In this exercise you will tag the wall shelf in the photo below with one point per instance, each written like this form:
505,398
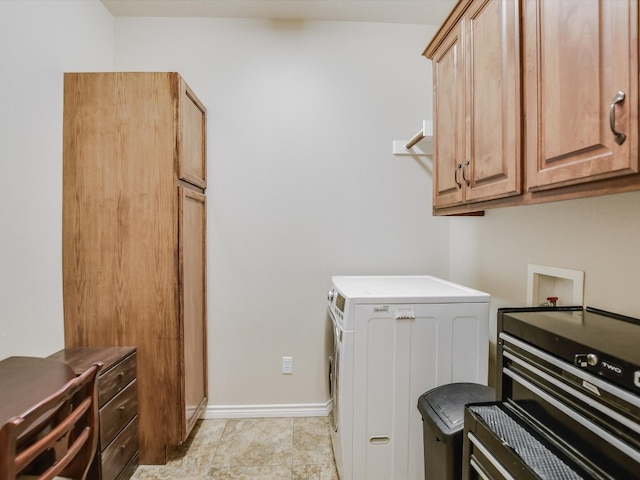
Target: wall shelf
420,144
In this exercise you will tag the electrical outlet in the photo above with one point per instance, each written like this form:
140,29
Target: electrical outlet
287,364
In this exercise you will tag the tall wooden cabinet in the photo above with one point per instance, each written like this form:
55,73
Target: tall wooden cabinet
134,264
476,97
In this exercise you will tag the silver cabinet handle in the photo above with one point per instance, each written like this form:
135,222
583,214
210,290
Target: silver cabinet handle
619,137
466,164
455,175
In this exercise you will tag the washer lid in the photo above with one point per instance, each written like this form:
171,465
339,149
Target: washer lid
406,289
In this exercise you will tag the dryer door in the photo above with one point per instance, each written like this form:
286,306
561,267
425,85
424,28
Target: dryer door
334,372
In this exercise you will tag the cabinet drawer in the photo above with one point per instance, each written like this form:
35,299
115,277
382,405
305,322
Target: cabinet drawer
117,413
117,455
130,469
117,378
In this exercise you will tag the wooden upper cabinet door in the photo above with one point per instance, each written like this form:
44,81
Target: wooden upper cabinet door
448,102
578,55
492,166
192,166
477,141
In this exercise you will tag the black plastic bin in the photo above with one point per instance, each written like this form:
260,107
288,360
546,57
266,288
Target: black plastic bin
442,410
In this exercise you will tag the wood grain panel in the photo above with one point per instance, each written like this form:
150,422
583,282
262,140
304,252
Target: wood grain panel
124,137
579,54
192,166
193,278
493,100
477,104
449,126
570,106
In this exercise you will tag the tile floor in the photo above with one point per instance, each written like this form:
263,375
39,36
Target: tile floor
250,449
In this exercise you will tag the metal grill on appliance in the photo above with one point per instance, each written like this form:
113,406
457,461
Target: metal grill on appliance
568,389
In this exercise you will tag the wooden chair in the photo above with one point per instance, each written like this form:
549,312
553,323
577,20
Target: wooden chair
57,436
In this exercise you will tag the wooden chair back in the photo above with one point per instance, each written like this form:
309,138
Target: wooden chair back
57,436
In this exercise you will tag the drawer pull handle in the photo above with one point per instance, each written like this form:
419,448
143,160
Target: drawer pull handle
464,176
619,137
123,446
455,175
121,375
122,407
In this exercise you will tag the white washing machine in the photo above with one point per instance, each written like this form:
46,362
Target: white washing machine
395,338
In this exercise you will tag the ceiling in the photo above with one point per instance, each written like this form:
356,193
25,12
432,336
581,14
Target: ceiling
429,12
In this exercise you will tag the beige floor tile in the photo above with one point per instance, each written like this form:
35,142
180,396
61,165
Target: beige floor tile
196,456
208,431
199,449
163,472
256,442
311,441
262,472
250,449
314,472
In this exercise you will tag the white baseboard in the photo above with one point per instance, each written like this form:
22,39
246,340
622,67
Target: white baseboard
261,411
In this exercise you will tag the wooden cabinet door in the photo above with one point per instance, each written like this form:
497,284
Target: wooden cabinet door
492,167
193,314
192,166
578,55
477,106
449,125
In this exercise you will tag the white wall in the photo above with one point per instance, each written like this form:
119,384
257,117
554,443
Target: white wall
39,40
600,236
302,183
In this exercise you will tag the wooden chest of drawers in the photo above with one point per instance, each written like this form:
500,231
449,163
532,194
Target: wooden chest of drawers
117,453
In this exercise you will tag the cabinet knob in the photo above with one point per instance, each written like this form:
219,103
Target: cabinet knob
619,137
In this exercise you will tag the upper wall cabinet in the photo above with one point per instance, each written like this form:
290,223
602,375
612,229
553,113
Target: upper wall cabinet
580,82
477,103
534,101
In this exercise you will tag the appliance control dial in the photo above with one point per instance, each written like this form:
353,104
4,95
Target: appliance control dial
332,293
592,359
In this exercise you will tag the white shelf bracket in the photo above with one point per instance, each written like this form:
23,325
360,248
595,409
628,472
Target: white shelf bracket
411,147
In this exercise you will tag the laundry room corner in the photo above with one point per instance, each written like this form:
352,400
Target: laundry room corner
303,183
